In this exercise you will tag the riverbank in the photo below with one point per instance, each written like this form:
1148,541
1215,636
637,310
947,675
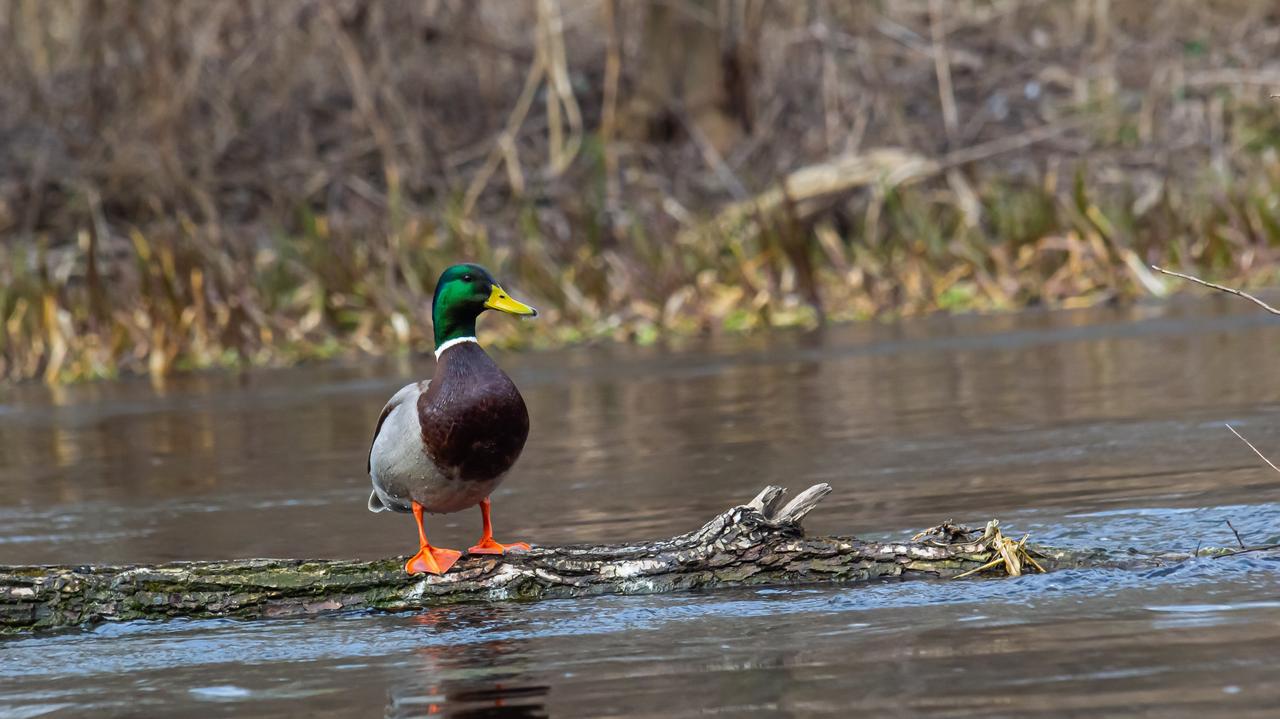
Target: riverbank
215,187
159,306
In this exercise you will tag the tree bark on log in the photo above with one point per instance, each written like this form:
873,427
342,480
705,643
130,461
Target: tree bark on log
759,543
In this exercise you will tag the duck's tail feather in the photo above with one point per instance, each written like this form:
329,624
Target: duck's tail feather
375,503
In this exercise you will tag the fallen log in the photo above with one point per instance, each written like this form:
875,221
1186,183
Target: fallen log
759,543
804,194
808,191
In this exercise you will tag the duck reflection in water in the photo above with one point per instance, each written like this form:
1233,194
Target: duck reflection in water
471,679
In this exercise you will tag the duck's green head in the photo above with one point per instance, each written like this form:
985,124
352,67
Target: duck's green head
462,293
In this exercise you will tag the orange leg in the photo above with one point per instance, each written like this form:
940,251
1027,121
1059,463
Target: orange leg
487,545
429,559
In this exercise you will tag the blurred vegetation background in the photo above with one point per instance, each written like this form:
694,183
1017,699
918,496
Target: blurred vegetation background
196,184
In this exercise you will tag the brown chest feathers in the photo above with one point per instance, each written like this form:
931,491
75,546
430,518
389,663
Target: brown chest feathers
474,421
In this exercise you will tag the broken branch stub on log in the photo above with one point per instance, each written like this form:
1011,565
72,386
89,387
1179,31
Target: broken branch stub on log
759,543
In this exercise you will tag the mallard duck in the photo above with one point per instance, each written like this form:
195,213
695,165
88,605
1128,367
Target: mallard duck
444,444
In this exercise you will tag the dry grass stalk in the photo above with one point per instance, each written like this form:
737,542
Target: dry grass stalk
942,69
1013,556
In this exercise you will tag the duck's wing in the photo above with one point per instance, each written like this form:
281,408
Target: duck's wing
410,390
396,400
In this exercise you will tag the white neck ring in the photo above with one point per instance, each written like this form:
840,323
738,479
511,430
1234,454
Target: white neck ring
455,341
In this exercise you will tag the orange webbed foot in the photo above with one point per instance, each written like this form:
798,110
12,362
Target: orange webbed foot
488,546
432,560
429,559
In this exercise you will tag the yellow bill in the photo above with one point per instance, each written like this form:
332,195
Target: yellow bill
499,300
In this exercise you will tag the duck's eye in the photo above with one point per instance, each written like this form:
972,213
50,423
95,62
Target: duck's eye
467,278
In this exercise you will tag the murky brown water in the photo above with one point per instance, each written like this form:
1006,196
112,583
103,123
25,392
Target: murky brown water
1086,428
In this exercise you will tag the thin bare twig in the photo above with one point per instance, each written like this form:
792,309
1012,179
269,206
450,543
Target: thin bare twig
1220,288
1233,531
1259,548
1255,449
1011,143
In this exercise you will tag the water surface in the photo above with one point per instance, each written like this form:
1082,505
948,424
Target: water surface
1087,428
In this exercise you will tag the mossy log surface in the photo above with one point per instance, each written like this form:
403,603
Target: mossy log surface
758,543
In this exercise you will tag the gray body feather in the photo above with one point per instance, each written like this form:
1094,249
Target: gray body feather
401,470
